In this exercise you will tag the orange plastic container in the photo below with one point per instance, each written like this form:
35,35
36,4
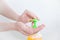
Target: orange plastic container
35,37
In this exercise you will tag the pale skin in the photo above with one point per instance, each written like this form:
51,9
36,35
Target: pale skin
19,25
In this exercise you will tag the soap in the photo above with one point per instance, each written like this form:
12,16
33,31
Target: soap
35,37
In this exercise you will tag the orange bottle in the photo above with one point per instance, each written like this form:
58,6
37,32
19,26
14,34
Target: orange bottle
35,37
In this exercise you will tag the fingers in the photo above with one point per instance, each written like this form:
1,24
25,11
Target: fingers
33,31
20,28
28,30
24,28
39,28
31,15
23,32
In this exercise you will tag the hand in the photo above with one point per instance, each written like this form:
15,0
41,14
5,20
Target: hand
26,30
27,16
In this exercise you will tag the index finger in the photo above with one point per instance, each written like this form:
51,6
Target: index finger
31,15
39,28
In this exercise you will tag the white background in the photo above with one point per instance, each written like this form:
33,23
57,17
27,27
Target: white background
47,10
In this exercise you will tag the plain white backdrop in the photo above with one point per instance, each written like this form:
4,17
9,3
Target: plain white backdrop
47,10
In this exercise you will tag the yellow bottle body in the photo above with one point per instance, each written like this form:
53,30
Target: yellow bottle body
35,37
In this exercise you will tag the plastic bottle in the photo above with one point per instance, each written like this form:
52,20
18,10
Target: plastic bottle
36,36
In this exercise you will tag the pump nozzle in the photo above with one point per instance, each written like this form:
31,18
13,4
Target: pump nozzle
34,23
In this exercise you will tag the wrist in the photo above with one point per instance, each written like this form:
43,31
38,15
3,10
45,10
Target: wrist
7,26
19,19
16,18
13,26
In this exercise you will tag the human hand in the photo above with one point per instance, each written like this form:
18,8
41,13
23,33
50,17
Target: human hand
26,30
27,16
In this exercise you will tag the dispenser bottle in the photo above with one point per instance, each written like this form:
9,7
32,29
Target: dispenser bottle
36,36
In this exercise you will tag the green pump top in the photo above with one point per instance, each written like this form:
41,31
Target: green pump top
34,23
